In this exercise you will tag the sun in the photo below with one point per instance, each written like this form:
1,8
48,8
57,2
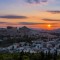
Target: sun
49,26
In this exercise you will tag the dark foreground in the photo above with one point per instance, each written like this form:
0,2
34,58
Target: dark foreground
29,56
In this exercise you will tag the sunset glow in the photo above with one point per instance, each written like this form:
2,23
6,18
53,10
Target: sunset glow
33,14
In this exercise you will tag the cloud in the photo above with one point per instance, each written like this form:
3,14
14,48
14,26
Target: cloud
54,12
8,23
45,19
3,22
36,1
28,23
13,17
31,23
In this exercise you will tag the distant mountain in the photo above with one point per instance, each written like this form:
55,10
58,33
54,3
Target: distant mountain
24,28
56,30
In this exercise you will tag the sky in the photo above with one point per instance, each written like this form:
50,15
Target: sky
37,14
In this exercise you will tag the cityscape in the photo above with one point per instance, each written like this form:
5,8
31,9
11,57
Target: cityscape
29,29
13,39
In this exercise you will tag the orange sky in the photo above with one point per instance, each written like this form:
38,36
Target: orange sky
37,14
40,19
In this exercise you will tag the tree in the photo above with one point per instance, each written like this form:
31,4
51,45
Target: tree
55,55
